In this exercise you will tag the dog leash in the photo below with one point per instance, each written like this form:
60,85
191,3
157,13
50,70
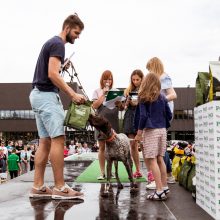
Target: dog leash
73,74
132,139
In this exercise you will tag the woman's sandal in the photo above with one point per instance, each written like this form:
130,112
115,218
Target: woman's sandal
166,191
157,197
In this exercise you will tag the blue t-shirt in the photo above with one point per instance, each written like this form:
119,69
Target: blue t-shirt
52,48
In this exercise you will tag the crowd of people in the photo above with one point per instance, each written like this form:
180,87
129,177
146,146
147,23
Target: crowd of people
16,158
76,148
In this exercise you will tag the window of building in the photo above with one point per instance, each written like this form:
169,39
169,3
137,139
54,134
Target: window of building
178,114
182,135
17,114
190,114
183,114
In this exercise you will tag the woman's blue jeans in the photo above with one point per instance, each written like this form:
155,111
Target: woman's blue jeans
167,162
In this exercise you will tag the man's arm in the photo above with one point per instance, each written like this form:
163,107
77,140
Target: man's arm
53,74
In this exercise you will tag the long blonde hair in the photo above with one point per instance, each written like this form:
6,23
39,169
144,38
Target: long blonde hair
131,86
150,88
155,65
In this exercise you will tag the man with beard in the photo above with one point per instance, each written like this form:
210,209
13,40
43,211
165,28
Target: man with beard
49,113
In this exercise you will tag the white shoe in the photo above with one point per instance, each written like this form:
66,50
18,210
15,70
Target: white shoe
113,176
171,179
151,185
101,177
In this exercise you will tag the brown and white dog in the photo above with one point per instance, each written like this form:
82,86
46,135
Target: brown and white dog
117,149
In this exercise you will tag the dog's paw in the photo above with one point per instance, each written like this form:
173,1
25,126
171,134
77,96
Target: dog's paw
134,186
134,190
120,186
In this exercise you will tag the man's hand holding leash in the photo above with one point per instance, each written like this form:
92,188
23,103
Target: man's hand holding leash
78,98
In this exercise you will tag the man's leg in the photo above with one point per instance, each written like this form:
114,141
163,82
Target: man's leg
11,174
61,190
41,158
16,173
57,160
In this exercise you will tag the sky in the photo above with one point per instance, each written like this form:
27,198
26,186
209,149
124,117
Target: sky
119,35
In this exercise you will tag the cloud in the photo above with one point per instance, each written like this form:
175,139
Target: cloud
119,35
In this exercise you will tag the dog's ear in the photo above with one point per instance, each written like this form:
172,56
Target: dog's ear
90,119
94,120
105,121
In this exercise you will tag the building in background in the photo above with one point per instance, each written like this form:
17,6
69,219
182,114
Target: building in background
17,120
182,126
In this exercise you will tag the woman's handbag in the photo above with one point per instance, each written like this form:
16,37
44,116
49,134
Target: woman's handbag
77,115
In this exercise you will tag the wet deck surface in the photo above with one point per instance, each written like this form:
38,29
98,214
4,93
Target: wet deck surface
15,204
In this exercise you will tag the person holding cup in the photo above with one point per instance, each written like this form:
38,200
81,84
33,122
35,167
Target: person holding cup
131,94
99,98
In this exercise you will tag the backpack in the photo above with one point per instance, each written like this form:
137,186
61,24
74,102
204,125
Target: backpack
192,173
214,71
184,173
202,88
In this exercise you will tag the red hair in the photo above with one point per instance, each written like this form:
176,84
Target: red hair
107,74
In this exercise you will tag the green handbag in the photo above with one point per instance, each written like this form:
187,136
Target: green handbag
77,115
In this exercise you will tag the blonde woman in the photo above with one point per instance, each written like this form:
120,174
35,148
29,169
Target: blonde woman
131,94
155,65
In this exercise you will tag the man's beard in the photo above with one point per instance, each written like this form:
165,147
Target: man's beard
69,39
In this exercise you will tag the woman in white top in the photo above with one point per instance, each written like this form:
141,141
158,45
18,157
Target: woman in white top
98,98
154,65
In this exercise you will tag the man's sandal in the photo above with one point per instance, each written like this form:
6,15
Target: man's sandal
157,197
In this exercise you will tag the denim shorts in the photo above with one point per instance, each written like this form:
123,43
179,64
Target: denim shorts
49,113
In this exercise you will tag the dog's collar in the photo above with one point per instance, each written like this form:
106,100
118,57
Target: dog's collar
111,138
